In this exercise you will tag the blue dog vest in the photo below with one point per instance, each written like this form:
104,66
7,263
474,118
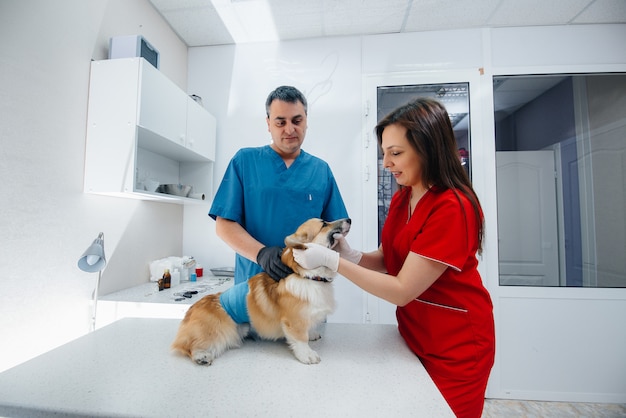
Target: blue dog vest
234,303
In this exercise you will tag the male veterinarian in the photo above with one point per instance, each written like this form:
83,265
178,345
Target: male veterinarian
268,191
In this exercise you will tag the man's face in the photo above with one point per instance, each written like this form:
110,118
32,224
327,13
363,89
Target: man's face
287,125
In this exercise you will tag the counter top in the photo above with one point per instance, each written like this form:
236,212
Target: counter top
146,301
126,369
149,292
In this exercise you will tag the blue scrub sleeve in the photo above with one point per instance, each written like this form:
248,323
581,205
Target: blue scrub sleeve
230,190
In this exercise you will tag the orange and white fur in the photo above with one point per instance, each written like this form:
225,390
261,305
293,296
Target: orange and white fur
290,308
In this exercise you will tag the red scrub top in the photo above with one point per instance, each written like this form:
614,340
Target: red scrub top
450,326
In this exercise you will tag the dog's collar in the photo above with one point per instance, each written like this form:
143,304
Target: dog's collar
320,279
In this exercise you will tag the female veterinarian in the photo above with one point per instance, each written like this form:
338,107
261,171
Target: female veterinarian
429,243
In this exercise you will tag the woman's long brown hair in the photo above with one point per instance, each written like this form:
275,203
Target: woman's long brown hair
430,133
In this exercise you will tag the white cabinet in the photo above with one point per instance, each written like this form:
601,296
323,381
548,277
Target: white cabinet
142,130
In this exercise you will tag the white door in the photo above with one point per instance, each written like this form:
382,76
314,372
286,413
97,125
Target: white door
527,219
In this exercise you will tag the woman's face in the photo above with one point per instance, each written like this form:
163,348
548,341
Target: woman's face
400,158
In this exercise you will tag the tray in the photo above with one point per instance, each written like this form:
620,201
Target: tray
223,271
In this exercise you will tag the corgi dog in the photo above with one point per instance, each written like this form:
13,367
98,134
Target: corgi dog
290,308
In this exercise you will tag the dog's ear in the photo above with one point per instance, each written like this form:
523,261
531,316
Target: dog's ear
305,233
293,241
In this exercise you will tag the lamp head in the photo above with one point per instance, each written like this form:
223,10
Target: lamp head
93,258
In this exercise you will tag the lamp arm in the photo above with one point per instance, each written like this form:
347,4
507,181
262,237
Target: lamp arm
95,302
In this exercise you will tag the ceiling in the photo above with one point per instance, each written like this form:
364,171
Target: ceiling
221,22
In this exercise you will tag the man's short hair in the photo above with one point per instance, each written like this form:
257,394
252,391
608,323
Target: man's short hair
287,94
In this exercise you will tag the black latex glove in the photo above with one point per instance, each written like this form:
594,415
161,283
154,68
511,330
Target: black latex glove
269,259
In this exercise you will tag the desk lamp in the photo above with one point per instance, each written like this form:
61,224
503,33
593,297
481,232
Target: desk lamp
93,260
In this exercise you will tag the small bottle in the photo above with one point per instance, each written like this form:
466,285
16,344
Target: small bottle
167,279
193,277
175,277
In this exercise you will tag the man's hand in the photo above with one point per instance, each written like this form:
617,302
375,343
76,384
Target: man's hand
315,256
269,259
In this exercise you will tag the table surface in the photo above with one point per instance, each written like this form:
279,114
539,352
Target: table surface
126,369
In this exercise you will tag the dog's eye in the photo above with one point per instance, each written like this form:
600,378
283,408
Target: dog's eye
324,224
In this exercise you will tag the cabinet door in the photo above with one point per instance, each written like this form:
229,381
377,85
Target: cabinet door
111,126
201,128
163,106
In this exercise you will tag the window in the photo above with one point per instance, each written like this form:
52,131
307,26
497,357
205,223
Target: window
561,170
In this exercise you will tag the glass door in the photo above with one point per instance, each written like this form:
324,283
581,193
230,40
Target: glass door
456,91
454,96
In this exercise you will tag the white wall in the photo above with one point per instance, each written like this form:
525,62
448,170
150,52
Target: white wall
46,221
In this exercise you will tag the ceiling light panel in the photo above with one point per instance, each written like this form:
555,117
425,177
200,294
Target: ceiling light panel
449,14
356,17
537,12
298,19
199,26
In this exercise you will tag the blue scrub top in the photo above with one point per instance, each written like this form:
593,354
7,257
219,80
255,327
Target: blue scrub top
271,201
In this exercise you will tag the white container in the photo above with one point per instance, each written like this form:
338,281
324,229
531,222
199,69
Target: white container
175,278
184,275
133,46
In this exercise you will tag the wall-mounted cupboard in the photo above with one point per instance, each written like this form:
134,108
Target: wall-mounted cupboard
144,131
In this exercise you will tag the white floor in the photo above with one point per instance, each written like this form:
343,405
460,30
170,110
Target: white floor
497,408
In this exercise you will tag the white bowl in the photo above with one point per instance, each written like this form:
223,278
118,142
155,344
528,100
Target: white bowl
175,189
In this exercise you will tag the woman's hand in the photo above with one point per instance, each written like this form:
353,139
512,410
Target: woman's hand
315,256
344,249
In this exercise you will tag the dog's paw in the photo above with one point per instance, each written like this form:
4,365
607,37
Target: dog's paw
306,355
203,358
314,336
244,331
